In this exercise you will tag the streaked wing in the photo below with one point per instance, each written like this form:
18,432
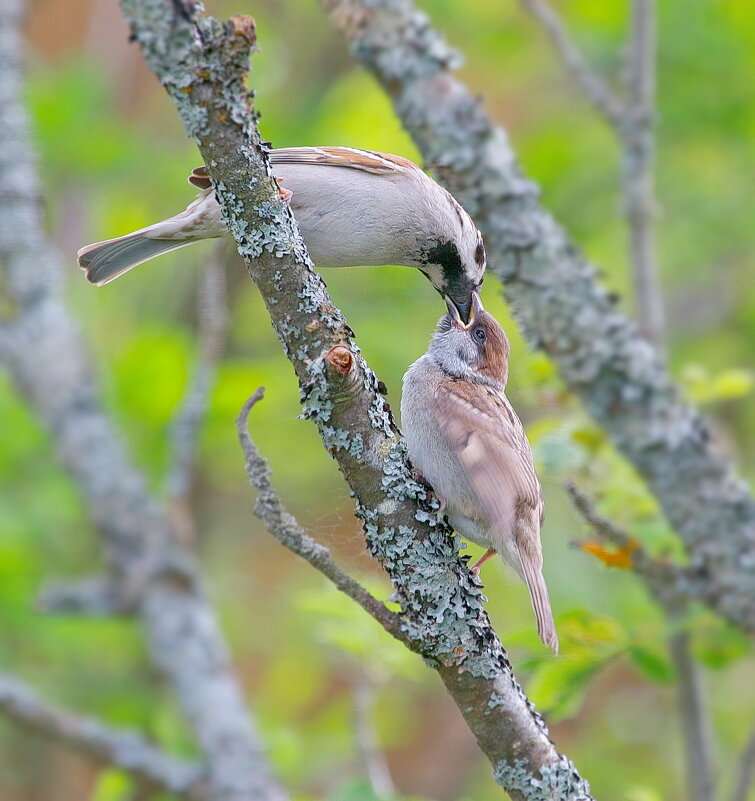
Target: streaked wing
365,160
353,158
489,440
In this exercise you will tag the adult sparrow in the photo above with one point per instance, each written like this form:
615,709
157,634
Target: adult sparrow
353,207
469,444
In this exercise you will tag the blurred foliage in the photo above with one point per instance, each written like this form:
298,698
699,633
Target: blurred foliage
113,158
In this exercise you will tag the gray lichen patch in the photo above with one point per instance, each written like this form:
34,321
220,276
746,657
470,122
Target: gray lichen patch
559,781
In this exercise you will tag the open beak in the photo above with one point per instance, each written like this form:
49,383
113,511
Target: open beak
461,313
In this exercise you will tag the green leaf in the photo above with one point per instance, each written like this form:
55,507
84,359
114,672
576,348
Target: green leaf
112,785
733,383
717,644
652,665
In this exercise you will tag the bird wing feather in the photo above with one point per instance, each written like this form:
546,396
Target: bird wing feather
489,440
370,161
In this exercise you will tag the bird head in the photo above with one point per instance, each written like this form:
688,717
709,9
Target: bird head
476,348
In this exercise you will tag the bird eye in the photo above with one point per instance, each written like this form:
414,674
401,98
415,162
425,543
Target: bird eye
480,335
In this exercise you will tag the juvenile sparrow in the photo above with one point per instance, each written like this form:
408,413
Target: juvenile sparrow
353,207
469,444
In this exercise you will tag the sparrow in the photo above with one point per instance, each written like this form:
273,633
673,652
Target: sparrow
353,207
468,443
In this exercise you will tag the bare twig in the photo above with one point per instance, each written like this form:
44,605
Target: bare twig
125,750
632,122
283,526
746,771
371,755
595,89
213,323
694,717
637,135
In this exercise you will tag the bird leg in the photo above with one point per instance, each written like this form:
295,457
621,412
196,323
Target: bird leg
286,194
484,558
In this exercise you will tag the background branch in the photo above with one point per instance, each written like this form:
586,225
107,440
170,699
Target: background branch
638,141
695,723
632,122
557,303
212,315
673,587
49,366
595,89
124,750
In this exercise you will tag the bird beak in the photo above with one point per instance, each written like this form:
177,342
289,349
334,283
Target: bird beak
477,306
461,313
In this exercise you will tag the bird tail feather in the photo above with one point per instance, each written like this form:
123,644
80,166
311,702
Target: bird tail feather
105,261
546,628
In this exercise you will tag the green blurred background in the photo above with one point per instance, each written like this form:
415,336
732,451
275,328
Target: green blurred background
114,158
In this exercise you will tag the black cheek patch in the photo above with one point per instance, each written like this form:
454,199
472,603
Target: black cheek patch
446,255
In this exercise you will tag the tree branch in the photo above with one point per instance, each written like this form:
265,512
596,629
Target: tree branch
595,89
202,63
558,304
671,585
372,758
632,122
124,750
49,366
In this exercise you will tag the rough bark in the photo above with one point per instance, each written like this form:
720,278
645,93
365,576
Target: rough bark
202,63
557,302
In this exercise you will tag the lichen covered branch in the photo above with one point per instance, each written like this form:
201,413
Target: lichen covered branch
125,750
202,63
558,303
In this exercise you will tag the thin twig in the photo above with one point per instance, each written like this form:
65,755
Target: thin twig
638,139
670,584
371,755
212,312
694,717
595,89
284,527
746,770
125,750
